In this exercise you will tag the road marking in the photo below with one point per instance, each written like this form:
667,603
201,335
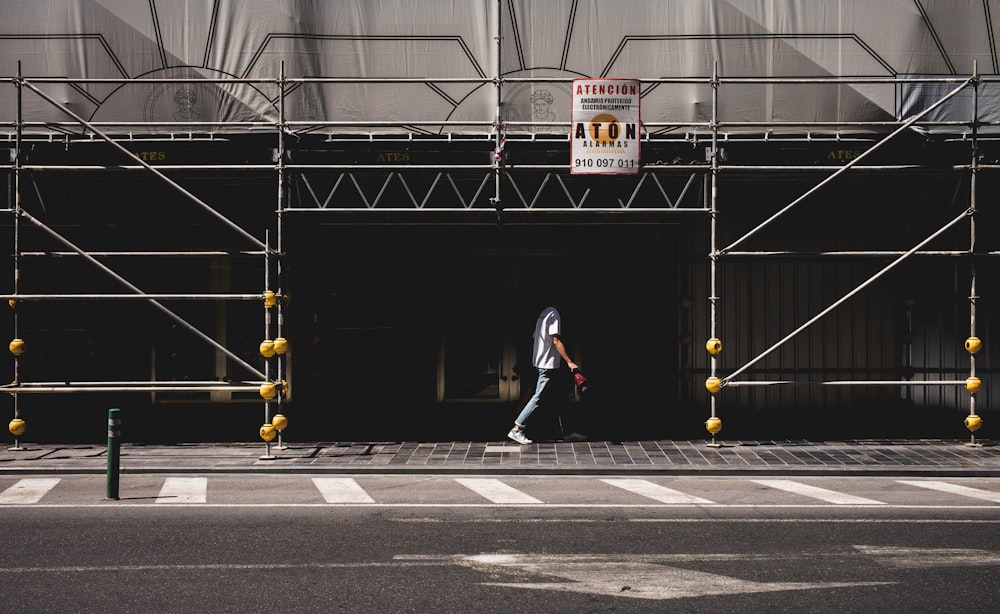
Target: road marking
346,491
28,490
566,506
496,491
342,490
656,492
635,577
955,489
713,520
926,558
215,567
830,496
183,490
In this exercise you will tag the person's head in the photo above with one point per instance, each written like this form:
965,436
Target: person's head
186,95
185,98
541,101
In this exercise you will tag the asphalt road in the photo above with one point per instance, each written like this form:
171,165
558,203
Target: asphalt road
438,544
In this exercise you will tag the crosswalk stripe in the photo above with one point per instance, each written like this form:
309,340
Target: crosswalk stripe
28,490
496,491
347,491
342,490
655,491
955,489
823,494
183,490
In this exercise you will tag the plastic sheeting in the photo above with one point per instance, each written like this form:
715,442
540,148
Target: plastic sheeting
449,49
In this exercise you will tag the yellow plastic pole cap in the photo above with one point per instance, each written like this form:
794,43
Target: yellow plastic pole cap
279,422
973,422
280,345
713,384
270,299
268,390
973,384
17,426
267,431
267,348
973,345
713,345
713,425
16,347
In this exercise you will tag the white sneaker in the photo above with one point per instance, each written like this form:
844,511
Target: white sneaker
518,436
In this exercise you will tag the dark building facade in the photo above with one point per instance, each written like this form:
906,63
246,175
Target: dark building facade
816,196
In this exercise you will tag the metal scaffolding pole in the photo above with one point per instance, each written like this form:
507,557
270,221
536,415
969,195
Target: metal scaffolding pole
972,383
18,85
280,254
274,261
498,127
714,424
267,432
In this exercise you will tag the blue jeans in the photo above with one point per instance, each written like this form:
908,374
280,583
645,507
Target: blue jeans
544,380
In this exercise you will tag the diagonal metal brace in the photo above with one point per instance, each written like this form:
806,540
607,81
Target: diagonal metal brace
846,297
173,316
906,125
146,165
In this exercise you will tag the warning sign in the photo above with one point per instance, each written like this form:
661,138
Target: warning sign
605,127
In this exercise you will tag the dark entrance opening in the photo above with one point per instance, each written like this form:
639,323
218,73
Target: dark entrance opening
423,332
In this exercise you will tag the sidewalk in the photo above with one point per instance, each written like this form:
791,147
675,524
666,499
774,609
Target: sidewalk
860,457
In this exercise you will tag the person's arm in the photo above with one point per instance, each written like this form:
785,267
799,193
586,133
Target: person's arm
557,342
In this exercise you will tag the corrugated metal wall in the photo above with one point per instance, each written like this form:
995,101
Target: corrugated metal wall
909,324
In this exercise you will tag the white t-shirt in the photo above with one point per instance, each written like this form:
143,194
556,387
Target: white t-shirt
545,355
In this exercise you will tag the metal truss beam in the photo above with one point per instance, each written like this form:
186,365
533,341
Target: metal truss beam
526,197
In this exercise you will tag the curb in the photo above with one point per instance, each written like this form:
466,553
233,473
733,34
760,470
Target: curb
891,458
520,470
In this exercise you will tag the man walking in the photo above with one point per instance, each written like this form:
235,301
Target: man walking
547,355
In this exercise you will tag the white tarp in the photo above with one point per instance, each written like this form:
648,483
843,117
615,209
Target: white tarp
449,48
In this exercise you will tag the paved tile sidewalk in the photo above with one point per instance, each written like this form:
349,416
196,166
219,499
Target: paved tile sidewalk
939,457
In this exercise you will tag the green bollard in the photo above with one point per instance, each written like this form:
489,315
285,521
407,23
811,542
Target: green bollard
114,449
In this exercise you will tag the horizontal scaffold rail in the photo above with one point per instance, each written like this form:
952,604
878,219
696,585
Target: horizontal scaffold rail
59,388
143,254
857,254
126,297
849,383
658,167
651,132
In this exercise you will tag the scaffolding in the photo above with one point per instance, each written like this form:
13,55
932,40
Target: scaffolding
501,193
